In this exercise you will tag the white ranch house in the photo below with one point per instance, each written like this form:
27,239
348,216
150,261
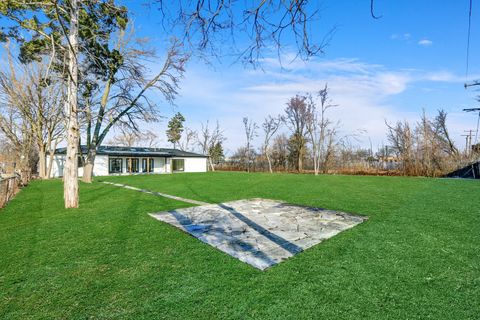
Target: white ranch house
112,160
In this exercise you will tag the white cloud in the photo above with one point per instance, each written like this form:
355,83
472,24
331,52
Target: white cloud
425,42
443,76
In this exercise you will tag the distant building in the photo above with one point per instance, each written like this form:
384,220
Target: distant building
389,162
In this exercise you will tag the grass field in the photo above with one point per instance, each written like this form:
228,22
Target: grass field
417,257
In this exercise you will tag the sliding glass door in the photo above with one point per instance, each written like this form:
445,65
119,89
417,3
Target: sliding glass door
147,165
132,165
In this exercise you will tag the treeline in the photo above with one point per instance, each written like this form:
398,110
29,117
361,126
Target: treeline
305,139
426,148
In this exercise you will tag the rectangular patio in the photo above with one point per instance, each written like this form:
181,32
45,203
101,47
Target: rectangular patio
260,232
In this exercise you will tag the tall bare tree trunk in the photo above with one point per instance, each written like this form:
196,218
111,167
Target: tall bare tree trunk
300,159
88,167
211,164
314,153
51,158
42,162
268,160
25,169
50,164
70,178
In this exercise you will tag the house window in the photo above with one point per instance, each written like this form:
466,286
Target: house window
132,165
115,165
178,164
150,163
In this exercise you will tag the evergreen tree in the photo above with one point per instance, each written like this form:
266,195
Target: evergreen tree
216,153
175,129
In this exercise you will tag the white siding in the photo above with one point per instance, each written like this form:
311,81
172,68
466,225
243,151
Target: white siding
168,165
100,167
195,164
57,165
159,165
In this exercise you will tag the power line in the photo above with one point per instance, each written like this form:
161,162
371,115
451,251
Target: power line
476,132
468,38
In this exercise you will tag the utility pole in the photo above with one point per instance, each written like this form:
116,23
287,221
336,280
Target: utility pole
475,110
468,141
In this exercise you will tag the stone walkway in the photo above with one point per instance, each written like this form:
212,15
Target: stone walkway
260,232
199,203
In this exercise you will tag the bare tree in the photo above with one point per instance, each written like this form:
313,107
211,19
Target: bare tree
37,102
270,127
251,128
124,139
321,136
132,138
149,139
298,114
441,132
189,137
427,149
208,139
331,144
20,140
401,138
209,26
280,152
436,152
124,94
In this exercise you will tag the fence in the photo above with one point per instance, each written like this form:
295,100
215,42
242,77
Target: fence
9,186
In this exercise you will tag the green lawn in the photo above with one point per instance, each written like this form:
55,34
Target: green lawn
418,255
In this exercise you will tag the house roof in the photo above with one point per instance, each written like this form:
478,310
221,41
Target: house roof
138,152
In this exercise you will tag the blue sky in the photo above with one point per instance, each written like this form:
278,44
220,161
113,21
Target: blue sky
414,57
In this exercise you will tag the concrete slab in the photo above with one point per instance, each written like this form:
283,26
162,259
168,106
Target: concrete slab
259,232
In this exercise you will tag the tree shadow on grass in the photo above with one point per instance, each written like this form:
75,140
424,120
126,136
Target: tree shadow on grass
285,244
